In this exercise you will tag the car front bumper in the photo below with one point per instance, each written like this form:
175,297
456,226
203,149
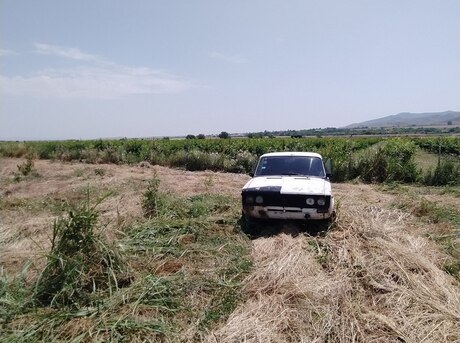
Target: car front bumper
289,213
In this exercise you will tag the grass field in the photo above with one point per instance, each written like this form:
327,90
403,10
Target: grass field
387,271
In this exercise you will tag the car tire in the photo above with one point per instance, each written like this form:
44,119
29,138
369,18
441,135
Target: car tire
248,225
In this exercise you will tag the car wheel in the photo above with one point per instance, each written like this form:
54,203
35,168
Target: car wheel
248,225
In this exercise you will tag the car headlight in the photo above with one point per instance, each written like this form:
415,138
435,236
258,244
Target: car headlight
321,201
310,201
249,200
259,199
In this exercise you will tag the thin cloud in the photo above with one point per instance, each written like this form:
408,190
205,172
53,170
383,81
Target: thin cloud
100,80
234,59
7,52
93,83
67,52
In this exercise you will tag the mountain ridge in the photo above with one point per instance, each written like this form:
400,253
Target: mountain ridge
407,119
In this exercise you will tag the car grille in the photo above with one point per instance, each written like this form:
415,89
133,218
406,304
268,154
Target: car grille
286,200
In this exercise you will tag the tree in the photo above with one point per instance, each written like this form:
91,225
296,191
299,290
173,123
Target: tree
190,137
201,136
224,135
255,135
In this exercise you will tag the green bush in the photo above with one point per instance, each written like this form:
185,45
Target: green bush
245,162
390,162
80,263
110,155
197,160
447,172
13,149
150,199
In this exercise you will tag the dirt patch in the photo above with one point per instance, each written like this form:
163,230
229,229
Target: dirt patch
169,267
58,178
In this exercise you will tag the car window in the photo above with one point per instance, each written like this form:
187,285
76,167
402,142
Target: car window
290,165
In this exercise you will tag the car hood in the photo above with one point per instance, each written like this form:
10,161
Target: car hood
289,185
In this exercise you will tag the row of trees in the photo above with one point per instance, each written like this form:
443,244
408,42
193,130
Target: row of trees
332,131
223,135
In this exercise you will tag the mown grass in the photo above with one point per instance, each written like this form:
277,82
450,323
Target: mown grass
54,204
450,240
432,212
372,278
172,278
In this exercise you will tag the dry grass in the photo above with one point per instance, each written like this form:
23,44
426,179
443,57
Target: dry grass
28,207
435,194
374,278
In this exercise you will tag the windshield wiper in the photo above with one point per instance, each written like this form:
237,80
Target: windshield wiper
293,174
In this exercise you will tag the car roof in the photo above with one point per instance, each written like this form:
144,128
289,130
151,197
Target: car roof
292,153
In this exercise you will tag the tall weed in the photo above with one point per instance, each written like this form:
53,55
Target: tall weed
447,172
390,162
151,198
80,263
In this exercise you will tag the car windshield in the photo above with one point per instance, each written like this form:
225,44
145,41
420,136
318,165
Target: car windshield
290,165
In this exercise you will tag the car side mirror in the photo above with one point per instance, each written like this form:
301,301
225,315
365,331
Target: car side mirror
251,174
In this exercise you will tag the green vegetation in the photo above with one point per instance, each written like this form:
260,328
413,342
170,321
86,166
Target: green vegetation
389,159
359,131
224,135
444,145
447,172
80,264
450,240
172,278
392,161
151,197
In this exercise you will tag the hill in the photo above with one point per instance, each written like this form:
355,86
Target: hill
406,119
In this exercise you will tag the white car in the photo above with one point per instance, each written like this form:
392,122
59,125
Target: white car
289,185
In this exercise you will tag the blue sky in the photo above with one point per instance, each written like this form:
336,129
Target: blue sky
89,69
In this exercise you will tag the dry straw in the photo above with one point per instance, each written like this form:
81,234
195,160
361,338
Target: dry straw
374,278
